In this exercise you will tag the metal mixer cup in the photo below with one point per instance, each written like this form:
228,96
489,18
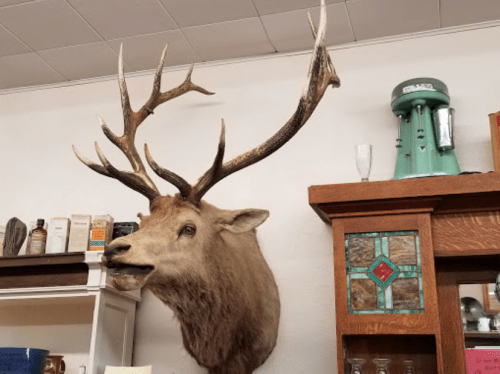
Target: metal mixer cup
425,133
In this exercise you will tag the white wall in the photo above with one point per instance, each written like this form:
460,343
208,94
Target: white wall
42,178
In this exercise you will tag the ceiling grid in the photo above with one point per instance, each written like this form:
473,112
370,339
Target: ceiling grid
53,41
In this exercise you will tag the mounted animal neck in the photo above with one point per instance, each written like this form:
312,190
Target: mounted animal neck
201,261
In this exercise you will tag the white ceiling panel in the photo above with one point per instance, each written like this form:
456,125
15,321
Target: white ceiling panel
290,31
114,19
83,61
143,52
10,44
11,2
81,38
27,69
462,12
374,18
276,6
47,24
229,39
187,13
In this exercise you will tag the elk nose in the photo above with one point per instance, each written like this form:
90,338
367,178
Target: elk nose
115,248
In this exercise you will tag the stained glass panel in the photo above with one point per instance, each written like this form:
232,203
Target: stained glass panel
384,273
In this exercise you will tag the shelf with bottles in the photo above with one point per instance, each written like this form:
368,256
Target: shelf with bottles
420,349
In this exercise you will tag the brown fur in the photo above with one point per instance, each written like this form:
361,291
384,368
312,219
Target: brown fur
217,282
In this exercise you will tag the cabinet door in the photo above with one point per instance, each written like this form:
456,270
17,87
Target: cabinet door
385,285
113,331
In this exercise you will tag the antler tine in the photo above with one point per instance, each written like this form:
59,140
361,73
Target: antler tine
179,182
321,75
213,175
138,180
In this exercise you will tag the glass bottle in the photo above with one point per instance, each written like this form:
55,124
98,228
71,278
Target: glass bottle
357,365
382,365
409,367
38,238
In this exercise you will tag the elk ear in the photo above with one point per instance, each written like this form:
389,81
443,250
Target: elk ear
239,221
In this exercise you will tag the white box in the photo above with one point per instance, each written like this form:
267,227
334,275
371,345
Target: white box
79,233
58,235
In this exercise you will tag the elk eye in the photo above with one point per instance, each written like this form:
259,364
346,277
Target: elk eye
188,230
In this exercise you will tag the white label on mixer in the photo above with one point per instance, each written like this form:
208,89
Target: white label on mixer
418,87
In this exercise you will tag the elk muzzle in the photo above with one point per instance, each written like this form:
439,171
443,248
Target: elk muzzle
125,276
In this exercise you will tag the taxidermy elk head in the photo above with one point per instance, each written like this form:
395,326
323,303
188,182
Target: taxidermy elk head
204,262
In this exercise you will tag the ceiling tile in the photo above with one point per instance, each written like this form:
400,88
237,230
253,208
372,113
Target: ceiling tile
375,18
462,12
10,44
27,69
47,24
229,39
143,52
290,31
187,13
114,19
12,2
277,6
83,61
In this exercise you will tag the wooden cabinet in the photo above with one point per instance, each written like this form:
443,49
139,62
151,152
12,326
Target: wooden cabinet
65,304
401,250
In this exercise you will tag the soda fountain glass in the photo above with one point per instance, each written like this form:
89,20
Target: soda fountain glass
409,367
357,365
364,160
382,365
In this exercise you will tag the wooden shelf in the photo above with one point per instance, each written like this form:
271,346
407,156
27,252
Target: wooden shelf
47,292
439,195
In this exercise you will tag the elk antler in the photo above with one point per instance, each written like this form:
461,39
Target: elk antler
321,75
138,180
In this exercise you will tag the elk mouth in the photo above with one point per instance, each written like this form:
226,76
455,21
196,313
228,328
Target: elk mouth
127,269
128,277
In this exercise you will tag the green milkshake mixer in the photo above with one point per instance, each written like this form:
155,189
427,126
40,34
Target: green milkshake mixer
425,133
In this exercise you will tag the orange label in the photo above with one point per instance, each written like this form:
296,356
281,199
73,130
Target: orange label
98,234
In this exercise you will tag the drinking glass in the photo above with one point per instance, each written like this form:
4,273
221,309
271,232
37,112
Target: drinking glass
382,365
357,365
409,367
364,160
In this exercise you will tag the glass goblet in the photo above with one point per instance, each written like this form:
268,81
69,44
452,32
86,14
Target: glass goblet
382,365
357,365
409,367
364,160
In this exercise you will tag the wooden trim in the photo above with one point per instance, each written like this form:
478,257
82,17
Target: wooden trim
491,304
46,259
52,270
465,234
406,188
440,195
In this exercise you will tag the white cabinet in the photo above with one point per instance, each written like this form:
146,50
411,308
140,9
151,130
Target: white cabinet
65,304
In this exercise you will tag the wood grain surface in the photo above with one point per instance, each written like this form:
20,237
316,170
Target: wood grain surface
466,233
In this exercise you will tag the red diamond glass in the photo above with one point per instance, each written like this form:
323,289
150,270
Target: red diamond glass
383,271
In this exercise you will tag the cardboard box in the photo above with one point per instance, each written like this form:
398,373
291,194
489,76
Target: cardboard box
102,232
79,233
58,235
495,139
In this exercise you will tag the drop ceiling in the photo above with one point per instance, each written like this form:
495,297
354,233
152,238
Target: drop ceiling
53,41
